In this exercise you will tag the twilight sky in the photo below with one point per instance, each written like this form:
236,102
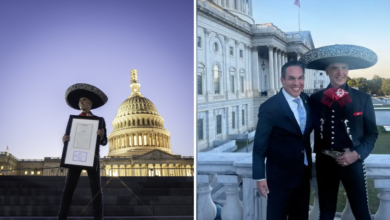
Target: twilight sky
361,22
46,46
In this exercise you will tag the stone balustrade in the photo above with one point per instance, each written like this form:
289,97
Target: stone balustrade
231,169
269,28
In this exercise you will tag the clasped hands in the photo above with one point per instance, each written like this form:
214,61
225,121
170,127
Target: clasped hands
99,132
349,157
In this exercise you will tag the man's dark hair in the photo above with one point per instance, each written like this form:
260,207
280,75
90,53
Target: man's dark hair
292,63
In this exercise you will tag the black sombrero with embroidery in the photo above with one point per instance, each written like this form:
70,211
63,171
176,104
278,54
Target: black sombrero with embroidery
355,56
76,91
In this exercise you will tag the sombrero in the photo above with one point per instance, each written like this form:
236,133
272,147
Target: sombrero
355,56
76,91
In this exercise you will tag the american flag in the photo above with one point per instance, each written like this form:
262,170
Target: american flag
297,3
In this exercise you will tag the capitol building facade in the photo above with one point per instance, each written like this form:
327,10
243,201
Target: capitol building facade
239,66
139,145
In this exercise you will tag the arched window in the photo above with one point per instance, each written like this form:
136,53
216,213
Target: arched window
216,79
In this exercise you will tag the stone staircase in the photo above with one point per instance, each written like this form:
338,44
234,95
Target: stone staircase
31,196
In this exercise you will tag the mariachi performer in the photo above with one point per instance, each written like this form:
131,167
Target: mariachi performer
344,128
84,97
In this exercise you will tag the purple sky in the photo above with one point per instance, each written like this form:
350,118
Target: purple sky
363,23
46,46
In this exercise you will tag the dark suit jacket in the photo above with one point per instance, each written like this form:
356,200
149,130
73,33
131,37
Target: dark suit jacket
279,139
362,126
103,141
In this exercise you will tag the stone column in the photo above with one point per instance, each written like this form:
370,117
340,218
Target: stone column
383,186
255,72
248,67
233,209
271,90
276,70
110,144
279,69
206,207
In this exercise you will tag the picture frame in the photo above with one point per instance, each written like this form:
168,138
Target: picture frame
82,149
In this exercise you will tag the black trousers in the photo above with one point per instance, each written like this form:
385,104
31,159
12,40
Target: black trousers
70,185
290,203
353,177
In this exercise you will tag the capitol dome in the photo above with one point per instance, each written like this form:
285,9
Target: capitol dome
137,105
138,128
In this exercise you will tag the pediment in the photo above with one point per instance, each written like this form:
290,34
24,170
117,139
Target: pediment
156,155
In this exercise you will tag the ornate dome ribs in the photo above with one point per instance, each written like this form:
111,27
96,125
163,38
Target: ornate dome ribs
137,105
140,121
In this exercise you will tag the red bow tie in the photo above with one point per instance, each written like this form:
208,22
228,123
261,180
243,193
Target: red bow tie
339,95
86,114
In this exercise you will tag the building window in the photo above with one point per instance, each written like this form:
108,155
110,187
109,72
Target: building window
233,120
321,86
320,73
199,42
199,83
39,173
232,83
2,167
241,54
200,129
231,51
219,124
216,47
242,83
235,4
216,79
243,117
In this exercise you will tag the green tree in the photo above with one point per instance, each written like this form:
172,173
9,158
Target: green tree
386,86
361,83
374,85
351,82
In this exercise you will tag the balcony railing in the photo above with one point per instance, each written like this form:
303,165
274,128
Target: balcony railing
231,169
269,28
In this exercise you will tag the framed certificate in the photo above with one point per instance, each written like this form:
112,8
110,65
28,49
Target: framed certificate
83,146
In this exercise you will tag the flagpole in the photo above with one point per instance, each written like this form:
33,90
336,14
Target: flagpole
299,18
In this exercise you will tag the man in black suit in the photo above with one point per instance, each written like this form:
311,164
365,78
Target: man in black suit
84,97
283,137
345,128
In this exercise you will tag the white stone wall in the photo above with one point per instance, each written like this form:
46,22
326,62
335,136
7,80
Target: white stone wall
210,104
320,78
